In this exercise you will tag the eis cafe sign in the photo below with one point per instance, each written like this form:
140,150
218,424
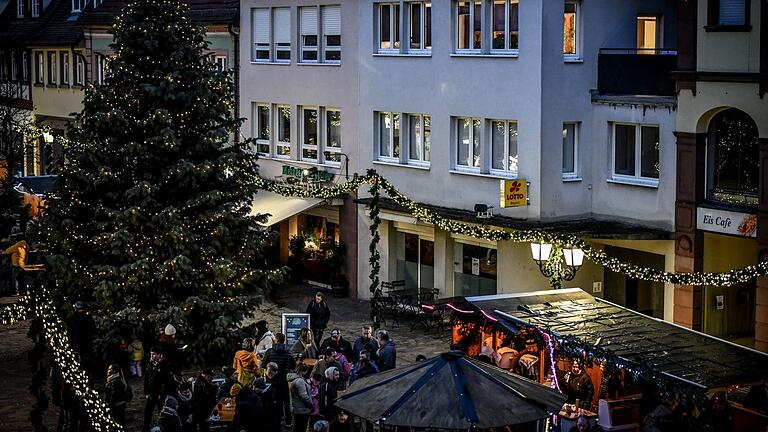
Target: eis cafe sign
726,222
514,193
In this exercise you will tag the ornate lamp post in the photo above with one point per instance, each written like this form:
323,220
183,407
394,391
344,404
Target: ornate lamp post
556,262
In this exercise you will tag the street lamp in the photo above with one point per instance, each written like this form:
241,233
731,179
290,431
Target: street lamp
554,265
328,154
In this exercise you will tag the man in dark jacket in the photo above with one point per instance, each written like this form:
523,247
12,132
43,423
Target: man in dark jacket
338,343
387,353
158,383
249,411
365,342
266,388
577,385
203,399
169,418
319,314
280,356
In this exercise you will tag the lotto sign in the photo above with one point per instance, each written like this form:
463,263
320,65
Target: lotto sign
514,193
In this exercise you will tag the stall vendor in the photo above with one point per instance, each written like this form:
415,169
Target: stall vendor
577,385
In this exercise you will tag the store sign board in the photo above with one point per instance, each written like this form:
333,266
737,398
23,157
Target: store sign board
726,222
514,193
291,171
292,325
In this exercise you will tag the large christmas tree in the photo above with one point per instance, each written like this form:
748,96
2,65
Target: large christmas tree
151,223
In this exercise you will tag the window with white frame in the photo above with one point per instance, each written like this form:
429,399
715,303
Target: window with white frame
25,66
64,55
505,32
221,62
20,8
52,67
78,5
310,42
332,151
261,128
389,27
101,68
39,67
570,149
309,126
331,33
419,138
636,152
79,69
14,67
283,144
468,135
35,8
261,34
571,29
503,146
420,26
282,35
389,136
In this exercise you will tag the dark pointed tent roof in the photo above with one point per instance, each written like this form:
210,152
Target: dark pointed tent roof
450,391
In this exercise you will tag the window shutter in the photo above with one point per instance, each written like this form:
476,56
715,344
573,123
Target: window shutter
261,26
283,25
332,20
309,20
732,12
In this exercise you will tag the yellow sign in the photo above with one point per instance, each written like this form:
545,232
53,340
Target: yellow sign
514,193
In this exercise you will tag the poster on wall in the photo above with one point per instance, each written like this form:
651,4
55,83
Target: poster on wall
726,222
292,325
476,266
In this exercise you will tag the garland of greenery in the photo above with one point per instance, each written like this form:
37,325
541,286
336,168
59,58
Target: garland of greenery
375,256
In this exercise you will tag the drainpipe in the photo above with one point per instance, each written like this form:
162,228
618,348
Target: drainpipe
236,75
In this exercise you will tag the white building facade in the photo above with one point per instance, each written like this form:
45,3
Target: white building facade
446,98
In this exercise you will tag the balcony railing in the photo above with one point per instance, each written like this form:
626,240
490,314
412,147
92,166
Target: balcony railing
636,71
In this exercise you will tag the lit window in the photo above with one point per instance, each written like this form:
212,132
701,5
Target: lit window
505,27
504,146
570,149
647,34
261,128
283,148
309,144
571,30
389,27
468,142
419,137
636,151
389,136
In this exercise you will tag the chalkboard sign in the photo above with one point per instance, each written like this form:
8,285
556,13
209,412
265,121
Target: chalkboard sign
292,325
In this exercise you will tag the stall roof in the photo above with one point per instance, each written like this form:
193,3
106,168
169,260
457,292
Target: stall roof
39,185
682,354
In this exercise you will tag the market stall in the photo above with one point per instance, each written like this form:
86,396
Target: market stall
633,363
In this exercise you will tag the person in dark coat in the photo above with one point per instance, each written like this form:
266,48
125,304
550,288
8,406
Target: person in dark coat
338,343
83,328
118,393
364,367
249,411
169,418
158,383
387,353
578,385
173,354
272,407
184,408
203,399
364,342
285,362
328,394
319,315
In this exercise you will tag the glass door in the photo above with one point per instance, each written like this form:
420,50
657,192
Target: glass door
415,261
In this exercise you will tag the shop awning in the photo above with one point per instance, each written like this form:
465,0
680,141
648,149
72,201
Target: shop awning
280,207
679,353
39,185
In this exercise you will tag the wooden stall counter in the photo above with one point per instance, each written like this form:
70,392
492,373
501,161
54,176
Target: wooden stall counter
568,416
222,414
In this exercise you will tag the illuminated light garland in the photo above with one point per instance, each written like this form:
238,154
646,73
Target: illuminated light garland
19,311
450,306
552,364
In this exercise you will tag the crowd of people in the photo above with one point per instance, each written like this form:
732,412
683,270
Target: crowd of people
271,385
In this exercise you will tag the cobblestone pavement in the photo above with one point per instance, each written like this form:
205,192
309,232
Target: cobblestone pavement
346,314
